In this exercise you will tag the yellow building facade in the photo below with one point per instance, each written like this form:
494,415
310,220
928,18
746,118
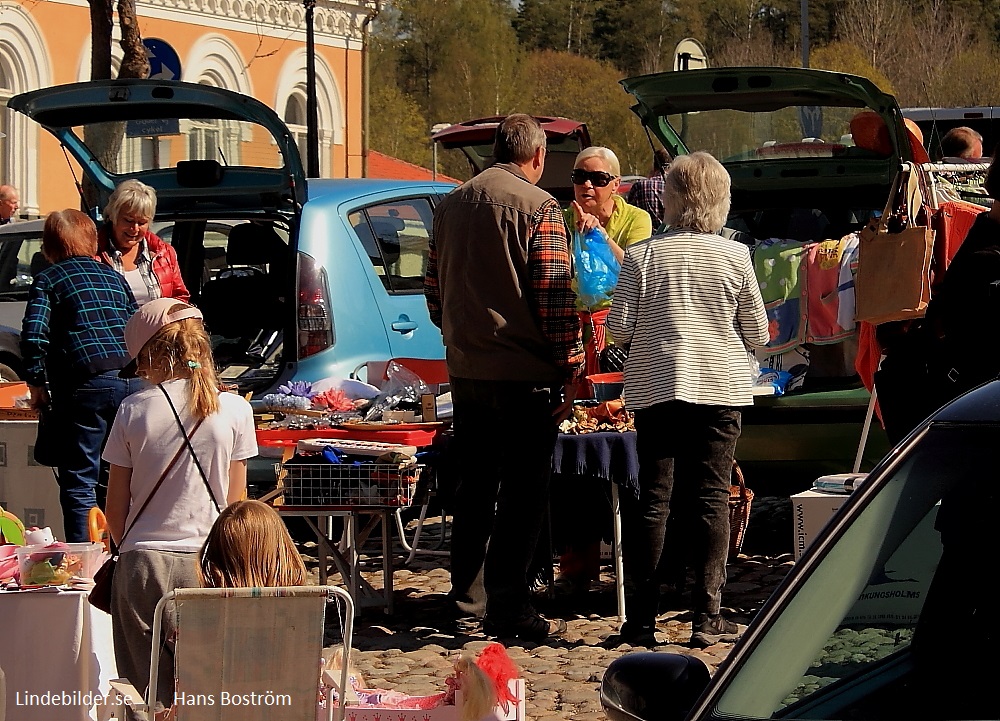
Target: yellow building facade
255,47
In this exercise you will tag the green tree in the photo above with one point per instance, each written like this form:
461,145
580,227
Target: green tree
587,90
427,30
482,75
970,78
847,58
556,25
407,135
637,36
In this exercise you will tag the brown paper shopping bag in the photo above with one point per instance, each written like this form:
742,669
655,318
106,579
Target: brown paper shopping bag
893,278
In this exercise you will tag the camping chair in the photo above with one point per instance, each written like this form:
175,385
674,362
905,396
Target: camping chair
236,642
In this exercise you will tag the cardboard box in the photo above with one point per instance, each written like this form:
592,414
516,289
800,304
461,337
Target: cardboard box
810,512
11,391
515,712
27,489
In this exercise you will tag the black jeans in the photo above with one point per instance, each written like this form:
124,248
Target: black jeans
504,437
685,466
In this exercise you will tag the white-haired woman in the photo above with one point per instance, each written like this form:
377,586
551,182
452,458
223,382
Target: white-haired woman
597,204
688,303
126,244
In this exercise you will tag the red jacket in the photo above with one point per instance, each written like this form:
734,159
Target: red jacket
165,266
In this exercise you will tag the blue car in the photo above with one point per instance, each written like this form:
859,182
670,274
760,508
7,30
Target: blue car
298,280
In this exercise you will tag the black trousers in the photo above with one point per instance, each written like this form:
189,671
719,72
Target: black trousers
504,437
685,466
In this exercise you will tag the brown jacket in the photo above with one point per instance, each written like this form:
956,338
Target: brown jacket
480,267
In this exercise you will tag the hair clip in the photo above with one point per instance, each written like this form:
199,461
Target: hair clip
194,364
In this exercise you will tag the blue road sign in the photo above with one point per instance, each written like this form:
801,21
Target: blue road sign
164,64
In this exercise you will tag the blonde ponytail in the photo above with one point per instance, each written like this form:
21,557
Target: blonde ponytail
183,350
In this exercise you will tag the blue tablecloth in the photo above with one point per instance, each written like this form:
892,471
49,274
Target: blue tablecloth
610,456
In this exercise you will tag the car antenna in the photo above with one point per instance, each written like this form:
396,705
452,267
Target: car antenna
94,213
223,156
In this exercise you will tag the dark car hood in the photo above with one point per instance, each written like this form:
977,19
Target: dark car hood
566,138
266,176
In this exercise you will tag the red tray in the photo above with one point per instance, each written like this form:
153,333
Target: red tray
281,438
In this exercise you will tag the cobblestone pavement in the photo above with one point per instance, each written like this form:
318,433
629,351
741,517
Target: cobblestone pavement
413,649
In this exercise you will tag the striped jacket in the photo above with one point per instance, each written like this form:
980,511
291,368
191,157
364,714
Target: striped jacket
689,305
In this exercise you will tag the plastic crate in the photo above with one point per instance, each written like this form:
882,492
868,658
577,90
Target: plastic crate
350,484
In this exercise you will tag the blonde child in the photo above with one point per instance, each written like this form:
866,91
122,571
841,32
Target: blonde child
178,450
249,547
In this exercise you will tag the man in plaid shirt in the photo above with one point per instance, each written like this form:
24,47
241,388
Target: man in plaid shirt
498,286
648,192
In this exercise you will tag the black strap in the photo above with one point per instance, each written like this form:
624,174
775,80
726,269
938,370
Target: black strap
208,486
163,477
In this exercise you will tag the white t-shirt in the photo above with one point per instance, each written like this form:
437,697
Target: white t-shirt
145,437
138,286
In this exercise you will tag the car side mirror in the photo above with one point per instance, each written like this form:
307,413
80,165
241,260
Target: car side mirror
652,686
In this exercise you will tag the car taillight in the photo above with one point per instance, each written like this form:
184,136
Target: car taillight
315,317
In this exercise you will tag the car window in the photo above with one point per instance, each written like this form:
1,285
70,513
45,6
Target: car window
861,623
20,260
396,237
789,132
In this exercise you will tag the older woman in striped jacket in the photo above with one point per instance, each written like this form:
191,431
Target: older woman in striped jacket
688,304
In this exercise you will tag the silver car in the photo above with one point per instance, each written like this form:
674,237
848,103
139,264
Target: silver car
20,258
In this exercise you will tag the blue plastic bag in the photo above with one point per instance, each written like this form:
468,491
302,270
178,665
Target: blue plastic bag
596,267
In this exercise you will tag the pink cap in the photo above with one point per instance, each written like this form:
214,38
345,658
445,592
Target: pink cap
148,320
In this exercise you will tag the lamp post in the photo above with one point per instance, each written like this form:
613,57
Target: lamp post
434,148
312,107
365,83
804,11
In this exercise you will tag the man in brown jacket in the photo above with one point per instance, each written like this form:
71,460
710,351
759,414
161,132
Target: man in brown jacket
498,286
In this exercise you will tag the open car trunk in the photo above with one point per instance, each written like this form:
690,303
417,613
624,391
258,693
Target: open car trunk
785,136
812,155
565,139
230,188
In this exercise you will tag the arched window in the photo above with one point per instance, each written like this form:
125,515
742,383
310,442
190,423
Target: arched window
24,65
295,119
219,140
291,99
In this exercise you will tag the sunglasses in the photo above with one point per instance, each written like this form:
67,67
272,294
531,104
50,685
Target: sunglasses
597,178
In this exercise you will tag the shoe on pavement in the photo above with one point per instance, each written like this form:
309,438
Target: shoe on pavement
530,628
709,630
636,634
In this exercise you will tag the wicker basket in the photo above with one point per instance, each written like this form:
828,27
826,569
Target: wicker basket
740,498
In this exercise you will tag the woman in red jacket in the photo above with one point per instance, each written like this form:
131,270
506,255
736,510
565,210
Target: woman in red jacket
126,244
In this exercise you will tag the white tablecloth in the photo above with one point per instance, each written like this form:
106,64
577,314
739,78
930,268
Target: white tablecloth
56,651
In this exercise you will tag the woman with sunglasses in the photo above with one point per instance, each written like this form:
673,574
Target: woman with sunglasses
596,177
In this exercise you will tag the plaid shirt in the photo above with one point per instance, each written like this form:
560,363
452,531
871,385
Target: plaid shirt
647,194
143,263
553,300
552,295
74,325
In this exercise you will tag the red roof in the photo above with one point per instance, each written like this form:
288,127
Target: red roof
385,166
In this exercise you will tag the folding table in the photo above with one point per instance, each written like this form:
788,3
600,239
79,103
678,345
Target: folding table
361,521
